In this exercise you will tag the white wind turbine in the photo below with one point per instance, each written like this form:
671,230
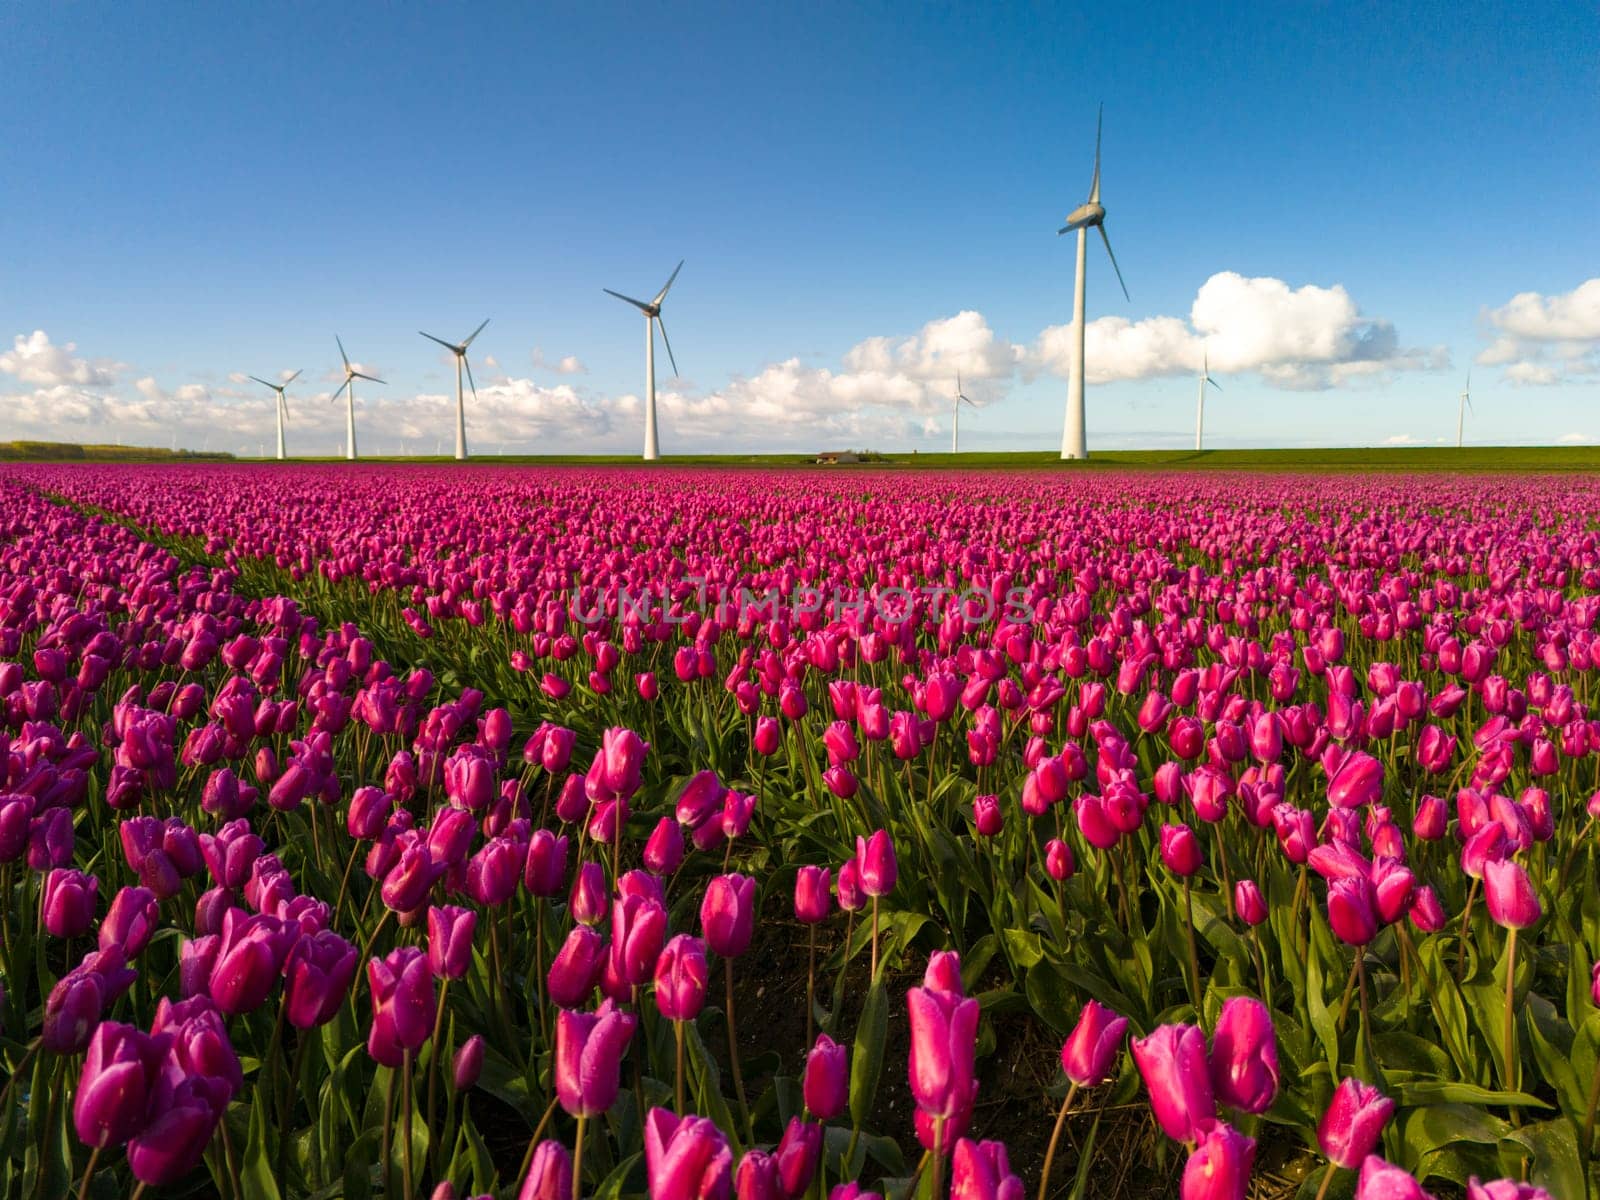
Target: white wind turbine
348,387
1200,412
955,419
460,351
1461,409
652,317
1091,212
283,406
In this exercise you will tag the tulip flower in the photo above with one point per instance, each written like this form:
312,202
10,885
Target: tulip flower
944,1032
545,868
576,967
185,1112
982,1171
826,1085
450,931
468,1064
1219,1167
797,1156
114,1088
69,902
757,1177
681,976
1513,906
403,1005
638,931
1380,1180
1087,1058
316,978
1505,1189
249,961
1353,1122
549,1174
1244,1056
686,1158
1173,1062
588,1057
587,900
663,852
727,914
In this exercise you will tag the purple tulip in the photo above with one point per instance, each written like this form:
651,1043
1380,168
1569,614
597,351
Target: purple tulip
549,1174
468,1063
875,863
686,1158
1219,1168
576,967
1244,1056
403,1005
826,1086
114,1087
1512,902
982,1171
1354,1120
681,976
1090,1051
1173,1062
588,1058
727,914
316,978
69,902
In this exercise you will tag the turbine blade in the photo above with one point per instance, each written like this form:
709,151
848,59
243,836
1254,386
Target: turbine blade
1064,229
639,304
264,383
450,346
1213,383
1094,187
334,398
292,378
373,378
342,354
1106,238
668,342
667,287
470,379
475,333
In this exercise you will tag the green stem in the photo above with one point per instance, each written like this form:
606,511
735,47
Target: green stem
733,1050
1194,957
1055,1137
577,1162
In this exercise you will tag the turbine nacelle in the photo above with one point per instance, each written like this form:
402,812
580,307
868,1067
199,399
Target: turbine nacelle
1085,215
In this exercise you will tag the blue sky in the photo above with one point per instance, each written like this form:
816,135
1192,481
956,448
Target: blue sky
866,197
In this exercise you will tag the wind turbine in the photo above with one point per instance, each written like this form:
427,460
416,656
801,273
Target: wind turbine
283,405
955,421
1461,409
348,387
461,361
1200,414
652,316
1090,213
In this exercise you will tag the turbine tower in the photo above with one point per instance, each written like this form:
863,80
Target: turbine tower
955,421
283,406
1200,414
348,387
652,317
1091,212
460,351
1461,409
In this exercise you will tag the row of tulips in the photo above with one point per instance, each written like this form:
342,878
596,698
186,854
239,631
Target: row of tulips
1308,723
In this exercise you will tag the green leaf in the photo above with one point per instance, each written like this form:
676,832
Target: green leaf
614,1185
255,1172
1435,1092
866,1058
358,1163
1556,1165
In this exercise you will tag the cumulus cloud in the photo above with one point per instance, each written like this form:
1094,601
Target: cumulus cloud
1309,337
1542,340
33,359
569,364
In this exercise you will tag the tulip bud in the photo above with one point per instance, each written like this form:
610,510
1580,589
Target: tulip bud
1380,1180
847,886
1248,903
827,1079
663,853
944,1033
68,902
1058,860
576,967
468,1063
1180,851
588,898
757,1177
450,931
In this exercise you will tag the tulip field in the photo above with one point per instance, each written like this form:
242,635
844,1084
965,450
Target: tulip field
562,832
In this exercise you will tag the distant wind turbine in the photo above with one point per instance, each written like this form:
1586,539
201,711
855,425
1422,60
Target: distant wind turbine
348,387
283,405
652,316
955,420
460,351
1090,213
1200,413
1461,409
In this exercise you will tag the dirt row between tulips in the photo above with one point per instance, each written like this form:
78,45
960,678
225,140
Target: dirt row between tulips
1131,1158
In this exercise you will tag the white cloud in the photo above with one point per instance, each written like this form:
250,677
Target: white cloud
1543,340
34,360
1304,338
1401,439
570,364
1573,439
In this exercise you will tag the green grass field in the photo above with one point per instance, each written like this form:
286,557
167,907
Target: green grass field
1342,458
